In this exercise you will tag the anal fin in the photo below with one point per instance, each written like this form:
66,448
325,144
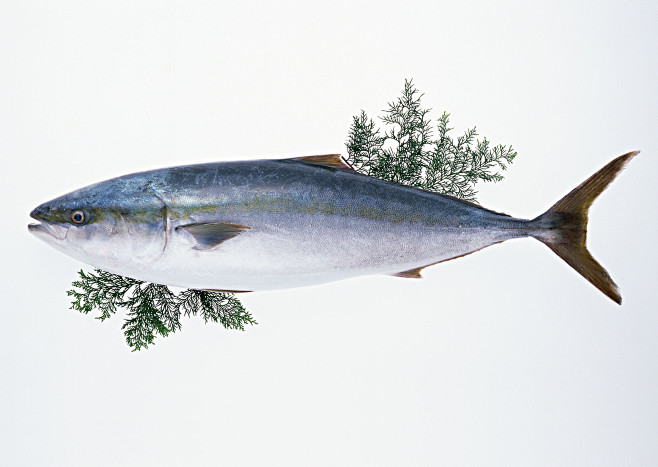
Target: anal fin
411,273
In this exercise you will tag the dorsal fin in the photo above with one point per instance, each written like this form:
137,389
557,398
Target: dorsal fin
333,161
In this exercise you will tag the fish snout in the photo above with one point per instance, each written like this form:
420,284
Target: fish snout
45,227
38,213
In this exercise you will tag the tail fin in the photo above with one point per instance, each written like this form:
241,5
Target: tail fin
563,228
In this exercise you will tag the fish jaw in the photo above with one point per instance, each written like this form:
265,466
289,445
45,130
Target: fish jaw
45,229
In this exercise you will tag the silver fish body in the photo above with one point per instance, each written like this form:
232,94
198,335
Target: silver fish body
273,224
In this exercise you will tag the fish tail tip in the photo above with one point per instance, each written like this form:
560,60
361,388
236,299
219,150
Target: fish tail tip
629,155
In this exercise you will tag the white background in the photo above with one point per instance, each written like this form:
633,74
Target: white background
504,357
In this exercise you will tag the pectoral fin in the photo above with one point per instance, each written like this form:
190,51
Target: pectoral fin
209,235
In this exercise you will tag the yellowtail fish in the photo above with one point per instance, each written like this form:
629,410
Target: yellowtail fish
275,224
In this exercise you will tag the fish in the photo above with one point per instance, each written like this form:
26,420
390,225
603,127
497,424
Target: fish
282,223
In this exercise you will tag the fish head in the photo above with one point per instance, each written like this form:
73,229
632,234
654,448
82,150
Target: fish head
118,225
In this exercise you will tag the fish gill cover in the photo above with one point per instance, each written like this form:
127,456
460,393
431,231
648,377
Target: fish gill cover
407,152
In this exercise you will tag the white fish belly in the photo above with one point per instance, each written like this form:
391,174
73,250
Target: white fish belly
301,250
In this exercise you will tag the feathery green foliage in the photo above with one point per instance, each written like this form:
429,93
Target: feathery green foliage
153,309
408,153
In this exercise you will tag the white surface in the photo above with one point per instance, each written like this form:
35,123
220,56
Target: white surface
504,357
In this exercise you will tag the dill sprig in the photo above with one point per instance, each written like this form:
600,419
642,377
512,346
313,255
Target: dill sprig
410,154
407,153
153,309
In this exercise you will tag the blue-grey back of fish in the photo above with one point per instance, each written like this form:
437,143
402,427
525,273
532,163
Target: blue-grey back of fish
272,224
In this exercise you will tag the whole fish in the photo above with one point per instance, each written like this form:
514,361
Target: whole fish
274,224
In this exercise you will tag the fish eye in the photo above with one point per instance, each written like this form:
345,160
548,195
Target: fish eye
78,217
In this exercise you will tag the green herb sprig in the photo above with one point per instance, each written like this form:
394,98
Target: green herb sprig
410,154
153,309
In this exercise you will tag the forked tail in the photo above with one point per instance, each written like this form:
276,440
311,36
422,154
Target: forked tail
563,228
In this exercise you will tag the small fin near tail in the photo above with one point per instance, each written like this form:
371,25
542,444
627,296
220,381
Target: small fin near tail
563,228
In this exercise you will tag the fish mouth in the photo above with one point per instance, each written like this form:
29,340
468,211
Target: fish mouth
46,228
